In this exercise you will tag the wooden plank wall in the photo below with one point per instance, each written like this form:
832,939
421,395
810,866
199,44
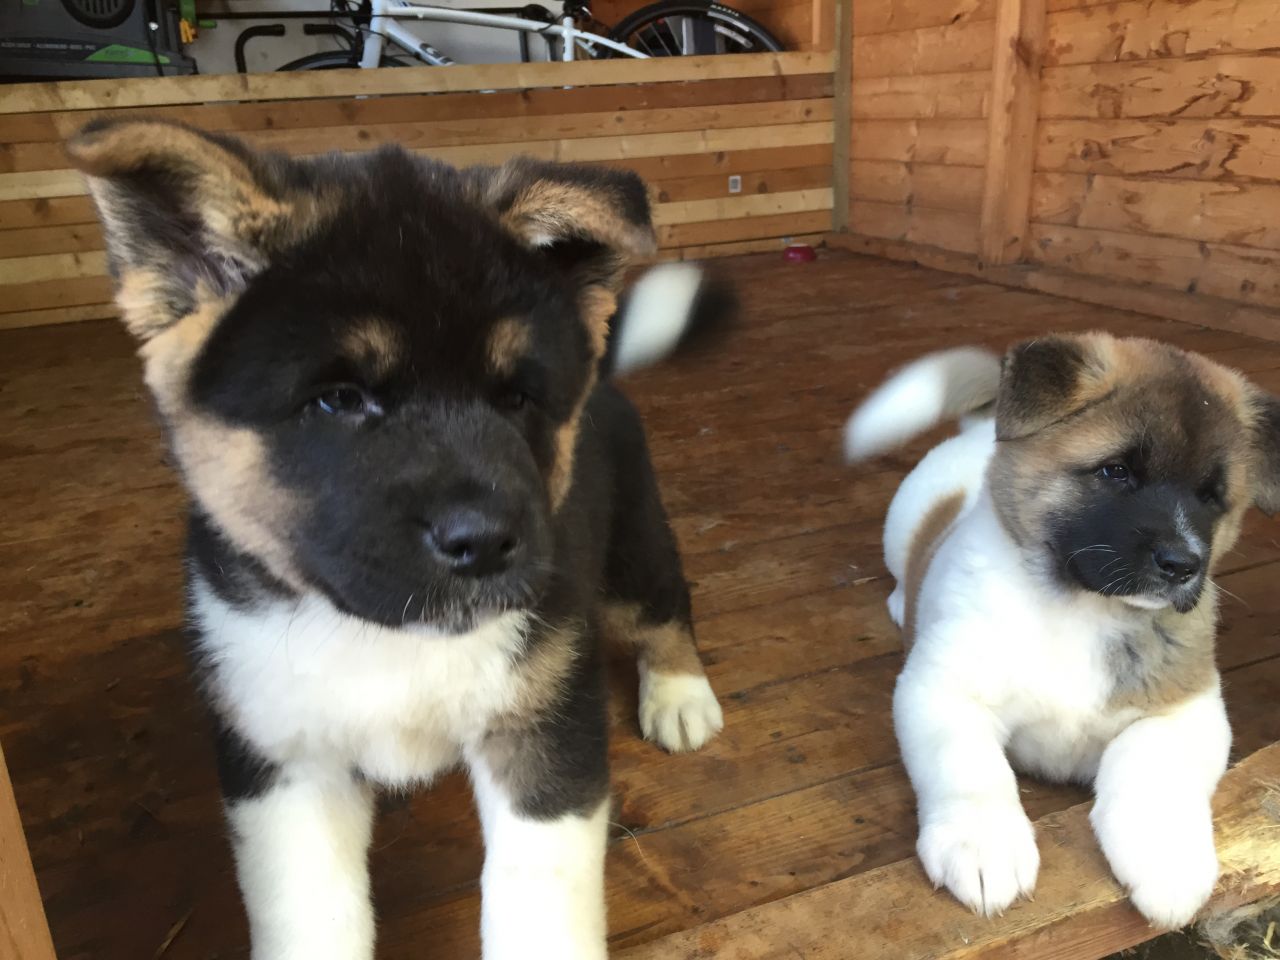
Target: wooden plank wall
921,93
1153,148
686,128
1158,150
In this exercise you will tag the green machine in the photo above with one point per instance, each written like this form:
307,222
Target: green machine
86,39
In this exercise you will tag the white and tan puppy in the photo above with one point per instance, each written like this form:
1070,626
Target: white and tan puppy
1053,569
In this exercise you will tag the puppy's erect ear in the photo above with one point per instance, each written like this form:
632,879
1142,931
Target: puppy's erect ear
590,222
187,215
1267,444
1046,380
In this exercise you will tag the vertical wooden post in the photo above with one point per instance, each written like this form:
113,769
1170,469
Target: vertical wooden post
842,124
24,932
1011,129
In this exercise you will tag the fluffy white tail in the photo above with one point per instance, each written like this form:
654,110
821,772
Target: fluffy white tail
669,307
938,387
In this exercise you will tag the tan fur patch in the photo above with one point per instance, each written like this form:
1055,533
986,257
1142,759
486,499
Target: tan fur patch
141,296
547,210
225,466
925,542
508,342
545,671
666,648
373,344
1168,663
597,304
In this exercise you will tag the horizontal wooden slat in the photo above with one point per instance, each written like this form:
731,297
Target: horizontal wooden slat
884,16
281,115
928,185
1057,197
52,266
435,135
37,241
1234,273
941,95
1195,149
947,229
952,48
157,91
776,177
1245,214
54,294
41,185
732,231
717,185
20,214
1160,29
54,183
1236,85
956,142
42,318
740,247
678,166
741,207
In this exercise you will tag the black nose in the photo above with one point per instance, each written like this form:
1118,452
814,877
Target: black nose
1177,564
474,541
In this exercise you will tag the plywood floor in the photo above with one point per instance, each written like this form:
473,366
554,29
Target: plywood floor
107,742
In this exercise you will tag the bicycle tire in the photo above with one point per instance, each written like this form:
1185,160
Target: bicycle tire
334,60
735,32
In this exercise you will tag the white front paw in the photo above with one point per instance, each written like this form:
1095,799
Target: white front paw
678,711
983,852
1163,853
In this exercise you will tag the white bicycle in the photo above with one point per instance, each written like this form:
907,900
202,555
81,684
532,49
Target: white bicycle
373,36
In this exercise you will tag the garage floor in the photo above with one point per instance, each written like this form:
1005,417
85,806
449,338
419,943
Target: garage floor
107,743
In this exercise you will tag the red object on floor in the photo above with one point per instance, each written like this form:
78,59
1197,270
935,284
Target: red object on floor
799,253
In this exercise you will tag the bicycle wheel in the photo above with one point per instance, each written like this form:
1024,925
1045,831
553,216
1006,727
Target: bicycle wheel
685,28
335,60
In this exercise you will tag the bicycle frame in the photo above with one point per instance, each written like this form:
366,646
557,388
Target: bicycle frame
386,13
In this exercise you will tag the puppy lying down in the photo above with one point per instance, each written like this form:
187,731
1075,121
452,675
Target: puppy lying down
1053,568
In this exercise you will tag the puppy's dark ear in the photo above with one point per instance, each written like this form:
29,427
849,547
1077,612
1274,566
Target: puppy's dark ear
1045,380
186,215
591,222
1267,444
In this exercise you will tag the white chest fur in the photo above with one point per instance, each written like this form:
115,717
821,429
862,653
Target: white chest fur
1040,660
303,682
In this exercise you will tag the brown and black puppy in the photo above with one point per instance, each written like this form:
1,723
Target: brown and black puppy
416,506
1053,565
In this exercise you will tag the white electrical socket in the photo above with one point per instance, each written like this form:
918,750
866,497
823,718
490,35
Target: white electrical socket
735,183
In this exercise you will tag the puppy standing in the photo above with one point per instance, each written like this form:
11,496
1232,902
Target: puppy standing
415,508
1052,585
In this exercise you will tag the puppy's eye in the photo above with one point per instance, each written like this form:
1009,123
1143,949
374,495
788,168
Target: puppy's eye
345,400
1116,472
513,400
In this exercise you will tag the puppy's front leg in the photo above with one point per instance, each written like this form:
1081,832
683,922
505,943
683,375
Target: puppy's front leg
542,889
1152,815
975,837
301,841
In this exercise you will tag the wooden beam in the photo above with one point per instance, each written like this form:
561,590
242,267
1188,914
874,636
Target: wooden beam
161,91
1011,136
24,932
1193,308
842,114
1080,912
